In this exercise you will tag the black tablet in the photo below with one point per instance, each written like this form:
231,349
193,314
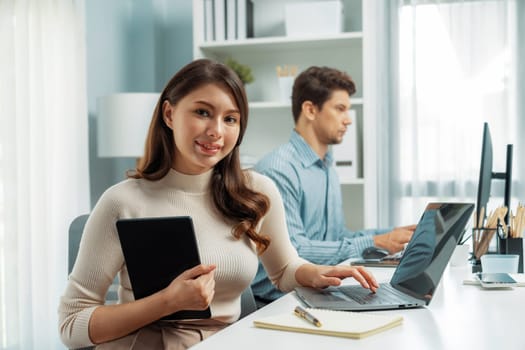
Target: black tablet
156,250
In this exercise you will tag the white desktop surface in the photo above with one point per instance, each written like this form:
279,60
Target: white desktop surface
459,317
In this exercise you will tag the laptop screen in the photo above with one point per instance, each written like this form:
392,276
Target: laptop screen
430,248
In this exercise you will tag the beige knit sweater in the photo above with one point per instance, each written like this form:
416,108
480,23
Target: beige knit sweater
100,257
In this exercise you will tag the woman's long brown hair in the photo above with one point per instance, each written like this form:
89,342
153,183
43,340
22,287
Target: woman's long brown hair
229,184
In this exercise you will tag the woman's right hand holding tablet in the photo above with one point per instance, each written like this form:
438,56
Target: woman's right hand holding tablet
191,290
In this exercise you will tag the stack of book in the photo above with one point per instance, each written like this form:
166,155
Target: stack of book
228,20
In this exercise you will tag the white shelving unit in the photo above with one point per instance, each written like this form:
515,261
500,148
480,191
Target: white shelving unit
271,121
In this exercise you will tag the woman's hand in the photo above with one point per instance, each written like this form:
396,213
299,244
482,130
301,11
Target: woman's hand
322,276
191,290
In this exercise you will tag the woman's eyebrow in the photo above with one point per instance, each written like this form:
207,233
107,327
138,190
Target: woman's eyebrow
203,102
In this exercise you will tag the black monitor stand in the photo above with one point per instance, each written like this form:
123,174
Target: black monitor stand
507,177
509,245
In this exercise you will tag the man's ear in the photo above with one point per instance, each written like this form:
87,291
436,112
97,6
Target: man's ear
167,114
309,110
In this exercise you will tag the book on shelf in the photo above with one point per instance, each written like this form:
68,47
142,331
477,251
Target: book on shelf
219,16
231,19
345,324
345,153
227,19
208,20
244,19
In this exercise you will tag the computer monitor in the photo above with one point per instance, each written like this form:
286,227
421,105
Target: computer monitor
486,175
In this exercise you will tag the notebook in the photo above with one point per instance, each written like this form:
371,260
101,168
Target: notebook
333,323
416,277
157,250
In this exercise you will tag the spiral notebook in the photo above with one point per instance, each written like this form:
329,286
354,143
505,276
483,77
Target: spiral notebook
345,324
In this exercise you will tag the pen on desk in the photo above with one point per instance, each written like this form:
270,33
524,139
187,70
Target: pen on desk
299,311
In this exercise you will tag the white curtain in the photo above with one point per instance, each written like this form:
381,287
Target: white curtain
455,68
43,162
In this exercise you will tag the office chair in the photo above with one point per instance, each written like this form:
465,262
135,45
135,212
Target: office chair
75,234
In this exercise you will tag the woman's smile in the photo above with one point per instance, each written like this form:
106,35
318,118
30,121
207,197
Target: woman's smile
208,148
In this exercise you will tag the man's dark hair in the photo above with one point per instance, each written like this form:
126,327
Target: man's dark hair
316,84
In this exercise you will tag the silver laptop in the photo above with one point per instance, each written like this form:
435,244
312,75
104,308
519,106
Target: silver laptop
419,271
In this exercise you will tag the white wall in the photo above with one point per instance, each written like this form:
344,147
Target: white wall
132,46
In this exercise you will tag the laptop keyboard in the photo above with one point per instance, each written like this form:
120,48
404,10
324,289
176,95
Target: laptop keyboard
385,295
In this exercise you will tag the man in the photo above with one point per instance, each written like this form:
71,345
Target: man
304,172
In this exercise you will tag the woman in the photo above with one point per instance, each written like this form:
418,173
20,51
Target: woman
190,167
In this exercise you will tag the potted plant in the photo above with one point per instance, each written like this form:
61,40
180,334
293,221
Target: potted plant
243,71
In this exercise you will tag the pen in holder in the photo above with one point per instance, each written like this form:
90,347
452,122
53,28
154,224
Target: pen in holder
481,239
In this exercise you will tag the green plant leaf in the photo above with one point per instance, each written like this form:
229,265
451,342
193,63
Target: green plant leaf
243,71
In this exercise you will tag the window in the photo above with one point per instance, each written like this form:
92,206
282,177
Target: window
3,263
456,71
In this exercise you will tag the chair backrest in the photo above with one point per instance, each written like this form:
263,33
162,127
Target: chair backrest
75,234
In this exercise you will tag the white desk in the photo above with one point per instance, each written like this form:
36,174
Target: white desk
459,317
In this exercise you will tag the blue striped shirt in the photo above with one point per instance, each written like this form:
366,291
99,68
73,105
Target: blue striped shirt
314,209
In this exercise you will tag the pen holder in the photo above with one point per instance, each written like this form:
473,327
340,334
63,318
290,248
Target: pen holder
513,246
481,239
